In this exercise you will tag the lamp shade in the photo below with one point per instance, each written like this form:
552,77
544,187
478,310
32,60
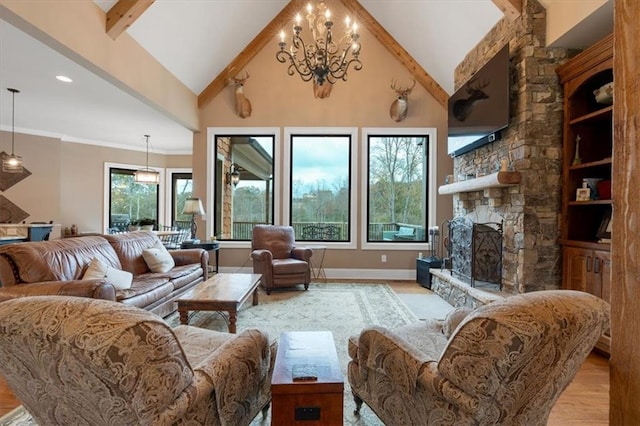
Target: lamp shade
193,206
147,176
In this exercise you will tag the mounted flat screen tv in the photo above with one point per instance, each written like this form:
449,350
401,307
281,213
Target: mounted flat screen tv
479,110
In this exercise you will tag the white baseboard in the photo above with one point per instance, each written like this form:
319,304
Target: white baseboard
348,274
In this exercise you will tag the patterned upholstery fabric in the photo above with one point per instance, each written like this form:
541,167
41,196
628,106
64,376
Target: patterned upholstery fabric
506,362
78,361
276,257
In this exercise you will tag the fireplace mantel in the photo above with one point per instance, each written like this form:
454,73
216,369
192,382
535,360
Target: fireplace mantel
494,180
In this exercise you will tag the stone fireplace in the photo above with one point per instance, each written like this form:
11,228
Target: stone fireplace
531,145
474,252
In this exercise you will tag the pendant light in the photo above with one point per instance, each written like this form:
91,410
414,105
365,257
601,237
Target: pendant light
12,163
147,175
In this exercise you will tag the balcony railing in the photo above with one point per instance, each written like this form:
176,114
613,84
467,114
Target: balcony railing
327,231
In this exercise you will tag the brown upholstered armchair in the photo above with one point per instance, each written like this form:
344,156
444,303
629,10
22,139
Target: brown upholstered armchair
277,258
505,363
73,360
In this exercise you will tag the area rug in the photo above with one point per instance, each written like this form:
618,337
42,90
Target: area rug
344,309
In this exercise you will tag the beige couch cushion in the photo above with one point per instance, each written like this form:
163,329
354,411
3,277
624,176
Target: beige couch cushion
121,280
158,259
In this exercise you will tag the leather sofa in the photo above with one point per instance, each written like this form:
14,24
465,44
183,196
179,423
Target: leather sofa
57,267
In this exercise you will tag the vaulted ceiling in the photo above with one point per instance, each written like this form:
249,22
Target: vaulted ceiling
202,42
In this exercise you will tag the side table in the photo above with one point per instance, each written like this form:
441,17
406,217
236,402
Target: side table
423,276
317,262
205,245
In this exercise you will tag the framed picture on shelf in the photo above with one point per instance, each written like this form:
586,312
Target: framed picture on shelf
583,194
604,231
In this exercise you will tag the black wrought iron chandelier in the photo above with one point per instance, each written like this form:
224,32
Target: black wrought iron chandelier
323,59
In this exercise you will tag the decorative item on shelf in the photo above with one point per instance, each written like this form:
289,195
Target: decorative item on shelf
576,156
584,193
147,176
604,230
604,189
504,165
592,184
448,179
604,94
233,176
12,163
323,60
193,206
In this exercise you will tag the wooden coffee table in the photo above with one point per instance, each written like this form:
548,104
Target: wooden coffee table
222,292
307,402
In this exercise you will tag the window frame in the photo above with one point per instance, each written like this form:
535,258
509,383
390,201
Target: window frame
212,161
170,172
106,191
352,132
430,174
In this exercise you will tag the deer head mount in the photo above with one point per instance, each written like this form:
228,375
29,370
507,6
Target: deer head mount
399,107
462,107
322,91
243,106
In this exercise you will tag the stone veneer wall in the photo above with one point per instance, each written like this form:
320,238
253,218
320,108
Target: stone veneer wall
532,143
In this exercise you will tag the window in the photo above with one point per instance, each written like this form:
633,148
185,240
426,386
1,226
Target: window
399,186
244,184
320,194
181,189
129,201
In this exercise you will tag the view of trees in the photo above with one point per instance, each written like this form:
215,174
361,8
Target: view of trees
136,201
250,203
320,187
397,184
182,189
131,201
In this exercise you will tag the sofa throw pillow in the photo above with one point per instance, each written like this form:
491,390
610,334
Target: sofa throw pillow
158,259
121,280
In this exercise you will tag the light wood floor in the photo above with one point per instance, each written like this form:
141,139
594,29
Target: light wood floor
584,402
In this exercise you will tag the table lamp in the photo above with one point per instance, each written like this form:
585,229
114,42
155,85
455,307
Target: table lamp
193,206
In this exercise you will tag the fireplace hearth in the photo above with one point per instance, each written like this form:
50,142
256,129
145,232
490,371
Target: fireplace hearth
474,251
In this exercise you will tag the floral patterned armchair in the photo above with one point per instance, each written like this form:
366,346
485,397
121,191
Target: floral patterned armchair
73,360
505,363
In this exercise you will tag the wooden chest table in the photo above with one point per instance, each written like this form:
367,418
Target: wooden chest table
222,292
307,402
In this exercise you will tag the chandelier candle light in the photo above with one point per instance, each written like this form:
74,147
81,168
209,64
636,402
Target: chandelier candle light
12,163
147,175
322,60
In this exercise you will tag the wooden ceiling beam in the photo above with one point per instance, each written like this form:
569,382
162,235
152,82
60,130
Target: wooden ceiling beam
123,14
512,9
253,48
367,21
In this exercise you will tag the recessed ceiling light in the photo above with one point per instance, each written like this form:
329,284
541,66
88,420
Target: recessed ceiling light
64,78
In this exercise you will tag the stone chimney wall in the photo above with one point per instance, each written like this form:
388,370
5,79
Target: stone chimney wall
533,145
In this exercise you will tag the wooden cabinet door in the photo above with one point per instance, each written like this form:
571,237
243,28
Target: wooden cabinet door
576,264
602,273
